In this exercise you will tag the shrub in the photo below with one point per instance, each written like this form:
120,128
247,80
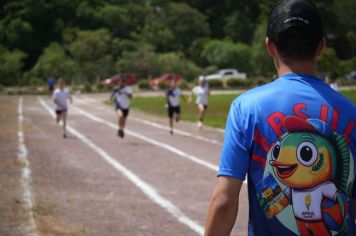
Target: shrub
184,85
237,83
88,88
101,88
214,83
144,85
162,86
259,81
346,82
35,81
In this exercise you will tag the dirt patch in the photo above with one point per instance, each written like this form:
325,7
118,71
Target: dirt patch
12,214
53,225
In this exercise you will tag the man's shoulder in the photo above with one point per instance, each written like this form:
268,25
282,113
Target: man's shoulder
258,93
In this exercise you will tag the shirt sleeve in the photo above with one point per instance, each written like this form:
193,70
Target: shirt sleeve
129,90
235,157
194,90
178,92
54,95
329,190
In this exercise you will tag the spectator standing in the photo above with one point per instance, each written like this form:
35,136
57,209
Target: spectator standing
294,138
51,83
331,80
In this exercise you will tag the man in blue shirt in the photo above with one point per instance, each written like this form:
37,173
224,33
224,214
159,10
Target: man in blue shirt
294,138
51,84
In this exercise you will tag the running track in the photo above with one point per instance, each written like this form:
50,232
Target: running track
94,183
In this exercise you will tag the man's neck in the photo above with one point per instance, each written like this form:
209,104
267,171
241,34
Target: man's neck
304,67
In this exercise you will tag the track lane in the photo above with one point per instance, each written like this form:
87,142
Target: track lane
87,195
187,146
186,185
240,226
147,189
164,170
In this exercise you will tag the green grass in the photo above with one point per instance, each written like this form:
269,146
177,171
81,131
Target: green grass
351,94
215,116
217,110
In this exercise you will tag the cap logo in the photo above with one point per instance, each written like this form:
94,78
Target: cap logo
298,18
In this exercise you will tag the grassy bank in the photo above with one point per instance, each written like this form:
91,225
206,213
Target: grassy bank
216,113
215,116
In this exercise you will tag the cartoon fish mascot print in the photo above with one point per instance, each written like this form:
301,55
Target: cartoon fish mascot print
312,164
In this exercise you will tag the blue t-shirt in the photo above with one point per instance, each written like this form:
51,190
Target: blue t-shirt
295,139
51,82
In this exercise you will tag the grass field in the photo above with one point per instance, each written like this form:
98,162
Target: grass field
215,116
217,110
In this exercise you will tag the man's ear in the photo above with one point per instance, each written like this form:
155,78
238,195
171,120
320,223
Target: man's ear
271,47
321,47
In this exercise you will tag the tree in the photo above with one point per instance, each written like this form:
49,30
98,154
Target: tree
11,63
157,33
122,20
239,26
226,54
54,62
177,63
187,24
93,51
261,62
328,61
142,62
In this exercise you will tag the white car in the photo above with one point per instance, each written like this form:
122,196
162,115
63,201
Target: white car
226,74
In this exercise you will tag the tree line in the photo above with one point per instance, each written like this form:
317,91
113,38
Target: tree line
88,40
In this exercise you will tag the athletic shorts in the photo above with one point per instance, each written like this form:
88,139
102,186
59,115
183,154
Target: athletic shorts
171,110
51,88
61,111
204,105
125,112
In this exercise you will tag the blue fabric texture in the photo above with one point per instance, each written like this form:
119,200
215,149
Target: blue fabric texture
281,114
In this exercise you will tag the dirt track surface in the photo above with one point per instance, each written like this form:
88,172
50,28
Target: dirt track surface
94,183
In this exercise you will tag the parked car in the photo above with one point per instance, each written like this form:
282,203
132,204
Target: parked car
166,78
351,75
226,74
130,79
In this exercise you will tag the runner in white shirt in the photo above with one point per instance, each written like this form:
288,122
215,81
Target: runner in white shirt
201,92
122,94
331,80
60,98
173,103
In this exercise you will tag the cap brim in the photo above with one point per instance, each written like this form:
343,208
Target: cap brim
295,124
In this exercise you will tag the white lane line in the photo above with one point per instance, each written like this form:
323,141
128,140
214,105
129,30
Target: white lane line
181,132
159,126
28,198
152,141
147,189
149,140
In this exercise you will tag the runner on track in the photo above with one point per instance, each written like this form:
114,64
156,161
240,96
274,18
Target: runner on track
61,96
173,103
122,94
201,92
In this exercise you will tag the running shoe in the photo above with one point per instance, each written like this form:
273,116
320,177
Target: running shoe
120,133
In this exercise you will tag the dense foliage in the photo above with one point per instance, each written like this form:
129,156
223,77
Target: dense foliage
88,40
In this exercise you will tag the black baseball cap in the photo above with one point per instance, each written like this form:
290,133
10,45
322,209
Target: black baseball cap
295,13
